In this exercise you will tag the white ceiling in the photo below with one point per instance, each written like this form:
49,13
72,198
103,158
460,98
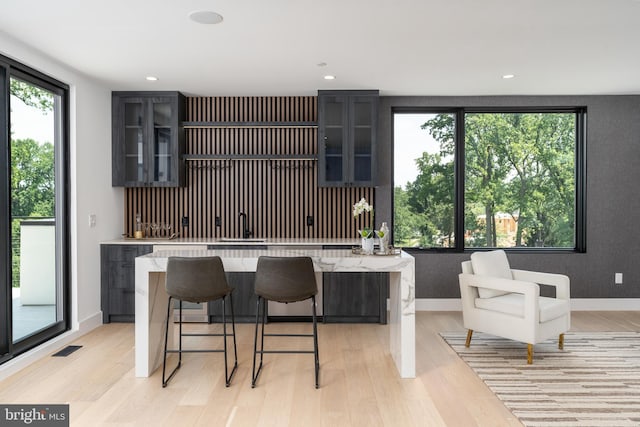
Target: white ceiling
402,47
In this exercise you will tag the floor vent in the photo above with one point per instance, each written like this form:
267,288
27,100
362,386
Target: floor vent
67,350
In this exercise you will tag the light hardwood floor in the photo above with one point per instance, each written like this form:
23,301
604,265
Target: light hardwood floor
359,384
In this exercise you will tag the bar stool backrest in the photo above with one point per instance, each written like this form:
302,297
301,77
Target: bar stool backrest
285,279
196,279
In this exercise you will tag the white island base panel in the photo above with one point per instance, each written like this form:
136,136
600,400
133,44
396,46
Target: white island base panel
151,298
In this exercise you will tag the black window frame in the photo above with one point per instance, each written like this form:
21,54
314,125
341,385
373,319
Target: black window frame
580,173
11,68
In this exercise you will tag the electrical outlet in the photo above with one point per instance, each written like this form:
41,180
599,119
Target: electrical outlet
618,278
185,221
92,220
309,221
218,222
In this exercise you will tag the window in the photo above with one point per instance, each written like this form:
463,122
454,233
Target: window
467,179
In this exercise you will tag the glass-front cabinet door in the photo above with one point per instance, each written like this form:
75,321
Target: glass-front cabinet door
162,141
134,137
332,137
363,130
148,139
347,129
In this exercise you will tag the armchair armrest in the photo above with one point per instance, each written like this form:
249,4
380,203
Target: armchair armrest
530,290
500,284
559,281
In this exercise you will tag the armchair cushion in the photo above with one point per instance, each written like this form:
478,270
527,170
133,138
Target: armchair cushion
494,264
513,304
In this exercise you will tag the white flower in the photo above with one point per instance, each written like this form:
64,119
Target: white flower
361,206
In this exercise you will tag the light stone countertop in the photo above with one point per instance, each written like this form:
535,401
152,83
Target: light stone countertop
234,242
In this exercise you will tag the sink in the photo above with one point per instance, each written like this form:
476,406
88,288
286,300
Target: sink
237,239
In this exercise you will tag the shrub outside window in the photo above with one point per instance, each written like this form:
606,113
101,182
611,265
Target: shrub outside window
489,179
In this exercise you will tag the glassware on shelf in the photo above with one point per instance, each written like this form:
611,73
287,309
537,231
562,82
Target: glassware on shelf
154,229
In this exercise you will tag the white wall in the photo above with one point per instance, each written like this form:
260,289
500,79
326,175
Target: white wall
91,191
37,262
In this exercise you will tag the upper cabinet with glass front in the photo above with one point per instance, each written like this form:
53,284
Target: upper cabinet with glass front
347,130
148,139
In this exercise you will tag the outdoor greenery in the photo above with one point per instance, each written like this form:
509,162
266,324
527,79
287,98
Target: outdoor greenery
32,172
31,95
519,170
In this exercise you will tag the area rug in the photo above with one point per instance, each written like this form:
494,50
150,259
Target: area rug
594,381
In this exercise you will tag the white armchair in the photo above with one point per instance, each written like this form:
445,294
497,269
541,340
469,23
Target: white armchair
504,302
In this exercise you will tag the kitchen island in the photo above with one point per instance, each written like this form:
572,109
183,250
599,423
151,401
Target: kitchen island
335,301
151,298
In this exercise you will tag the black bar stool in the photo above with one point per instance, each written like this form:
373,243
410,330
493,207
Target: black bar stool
285,280
198,279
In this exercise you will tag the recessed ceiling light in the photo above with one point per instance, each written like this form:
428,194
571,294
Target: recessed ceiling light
322,64
508,76
205,17
329,77
151,78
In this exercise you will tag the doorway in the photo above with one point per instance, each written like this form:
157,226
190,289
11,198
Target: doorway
33,197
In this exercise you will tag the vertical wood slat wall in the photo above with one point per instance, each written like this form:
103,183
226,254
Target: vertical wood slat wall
276,195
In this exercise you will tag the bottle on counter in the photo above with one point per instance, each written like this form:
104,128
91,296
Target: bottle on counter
383,237
137,233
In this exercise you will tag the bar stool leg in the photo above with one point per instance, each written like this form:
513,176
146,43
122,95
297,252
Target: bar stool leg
166,339
228,376
180,336
224,337
254,375
233,330
315,341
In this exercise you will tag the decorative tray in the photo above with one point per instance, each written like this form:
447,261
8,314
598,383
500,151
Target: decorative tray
357,250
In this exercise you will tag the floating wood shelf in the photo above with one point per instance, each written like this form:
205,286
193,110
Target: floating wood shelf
257,125
195,157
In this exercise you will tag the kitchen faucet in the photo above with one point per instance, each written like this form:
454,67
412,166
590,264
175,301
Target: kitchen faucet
246,233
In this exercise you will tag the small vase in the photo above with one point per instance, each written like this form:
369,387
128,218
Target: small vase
367,246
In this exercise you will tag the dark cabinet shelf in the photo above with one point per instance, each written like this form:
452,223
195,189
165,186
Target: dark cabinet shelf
194,157
148,139
347,138
194,125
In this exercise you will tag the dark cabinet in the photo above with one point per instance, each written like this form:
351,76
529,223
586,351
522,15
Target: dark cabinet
355,297
347,133
117,281
148,139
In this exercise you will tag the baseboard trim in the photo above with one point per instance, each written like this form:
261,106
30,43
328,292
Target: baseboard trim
25,359
577,304
438,304
605,304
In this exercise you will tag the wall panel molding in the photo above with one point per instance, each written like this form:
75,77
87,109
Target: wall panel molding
277,195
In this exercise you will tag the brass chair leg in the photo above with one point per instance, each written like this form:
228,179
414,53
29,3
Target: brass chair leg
468,342
529,354
561,342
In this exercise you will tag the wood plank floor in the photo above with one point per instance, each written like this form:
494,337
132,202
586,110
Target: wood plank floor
359,382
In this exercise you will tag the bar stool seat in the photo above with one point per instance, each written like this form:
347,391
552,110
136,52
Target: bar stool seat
198,280
284,280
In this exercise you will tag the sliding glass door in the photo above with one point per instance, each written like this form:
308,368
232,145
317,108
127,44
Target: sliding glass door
34,202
